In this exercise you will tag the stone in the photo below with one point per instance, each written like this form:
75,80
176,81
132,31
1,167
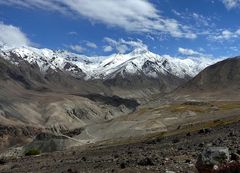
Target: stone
146,162
235,157
218,160
122,165
212,158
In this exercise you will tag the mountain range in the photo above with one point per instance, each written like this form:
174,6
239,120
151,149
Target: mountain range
99,98
138,62
139,70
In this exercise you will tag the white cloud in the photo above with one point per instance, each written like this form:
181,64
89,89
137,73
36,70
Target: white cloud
200,23
202,20
77,48
53,5
131,15
188,52
72,33
195,54
230,4
107,48
226,35
123,46
234,48
91,45
12,36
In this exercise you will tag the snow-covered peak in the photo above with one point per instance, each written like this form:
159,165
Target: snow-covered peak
139,51
44,58
145,62
138,62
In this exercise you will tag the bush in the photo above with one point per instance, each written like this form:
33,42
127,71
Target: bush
32,152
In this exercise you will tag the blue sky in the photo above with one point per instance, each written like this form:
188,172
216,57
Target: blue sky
101,27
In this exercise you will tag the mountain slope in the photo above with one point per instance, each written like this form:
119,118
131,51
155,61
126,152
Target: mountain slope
140,71
221,79
138,62
58,90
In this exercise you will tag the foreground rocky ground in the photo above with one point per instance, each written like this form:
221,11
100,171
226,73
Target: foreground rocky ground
176,153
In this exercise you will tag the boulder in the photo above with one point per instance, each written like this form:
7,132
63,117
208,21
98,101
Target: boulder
217,160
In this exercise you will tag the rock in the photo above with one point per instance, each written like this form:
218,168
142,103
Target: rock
84,159
2,161
212,158
235,157
204,131
115,156
71,171
201,144
122,165
170,172
231,134
176,140
188,134
146,162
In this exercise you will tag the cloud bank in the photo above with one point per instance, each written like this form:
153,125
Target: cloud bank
230,4
12,36
131,15
123,46
188,52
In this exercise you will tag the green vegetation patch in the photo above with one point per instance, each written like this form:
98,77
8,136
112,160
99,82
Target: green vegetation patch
200,107
229,105
32,152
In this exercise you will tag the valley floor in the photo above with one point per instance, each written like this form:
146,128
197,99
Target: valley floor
177,153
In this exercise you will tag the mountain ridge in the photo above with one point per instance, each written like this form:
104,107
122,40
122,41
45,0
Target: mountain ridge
218,81
107,67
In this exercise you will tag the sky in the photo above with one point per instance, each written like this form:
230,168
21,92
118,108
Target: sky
208,28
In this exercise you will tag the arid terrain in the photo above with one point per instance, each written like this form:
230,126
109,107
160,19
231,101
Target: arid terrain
56,122
163,153
119,86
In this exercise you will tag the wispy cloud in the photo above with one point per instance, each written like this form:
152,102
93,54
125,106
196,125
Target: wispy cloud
201,24
230,4
72,33
188,52
226,35
12,36
77,48
91,45
131,15
52,5
107,48
122,45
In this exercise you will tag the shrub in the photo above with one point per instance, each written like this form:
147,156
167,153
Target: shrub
32,152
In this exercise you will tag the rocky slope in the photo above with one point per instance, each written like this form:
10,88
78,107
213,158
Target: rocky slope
177,153
59,91
221,80
140,70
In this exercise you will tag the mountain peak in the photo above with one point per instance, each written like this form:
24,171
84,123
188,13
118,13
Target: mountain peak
139,61
139,51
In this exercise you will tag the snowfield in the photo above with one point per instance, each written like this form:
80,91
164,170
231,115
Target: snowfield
139,61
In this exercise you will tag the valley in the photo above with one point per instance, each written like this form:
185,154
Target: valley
119,86
177,153
51,106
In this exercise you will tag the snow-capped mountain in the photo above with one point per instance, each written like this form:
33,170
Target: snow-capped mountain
138,62
150,64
